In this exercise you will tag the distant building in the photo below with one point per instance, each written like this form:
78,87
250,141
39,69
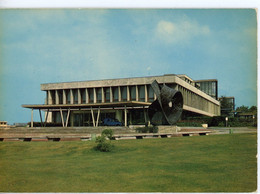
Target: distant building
246,115
3,124
227,105
87,103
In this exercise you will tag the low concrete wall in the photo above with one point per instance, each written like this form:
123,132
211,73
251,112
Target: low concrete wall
168,129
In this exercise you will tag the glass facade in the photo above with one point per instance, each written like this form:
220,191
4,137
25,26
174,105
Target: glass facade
150,93
141,93
132,90
67,93
91,95
124,93
99,95
60,96
75,96
209,87
115,94
83,96
53,97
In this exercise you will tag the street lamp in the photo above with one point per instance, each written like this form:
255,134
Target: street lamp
226,121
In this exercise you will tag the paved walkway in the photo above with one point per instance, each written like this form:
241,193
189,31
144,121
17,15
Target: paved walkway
86,133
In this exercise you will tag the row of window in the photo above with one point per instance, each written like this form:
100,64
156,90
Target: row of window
105,94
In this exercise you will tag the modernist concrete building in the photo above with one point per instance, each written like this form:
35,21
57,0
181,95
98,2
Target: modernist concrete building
87,103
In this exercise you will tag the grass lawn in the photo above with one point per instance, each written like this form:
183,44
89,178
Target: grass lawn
217,163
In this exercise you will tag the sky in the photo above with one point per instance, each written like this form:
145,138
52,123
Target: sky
62,45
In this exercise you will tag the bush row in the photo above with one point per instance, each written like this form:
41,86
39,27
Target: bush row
218,121
38,124
151,129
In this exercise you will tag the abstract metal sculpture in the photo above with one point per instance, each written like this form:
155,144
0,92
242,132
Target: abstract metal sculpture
168,106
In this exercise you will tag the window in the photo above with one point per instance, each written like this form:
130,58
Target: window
91,95
107,94
67,93
52,92
124,93
115,94
60,96
75,96
132,90
141,93
150,93
83,96
47,98
99,94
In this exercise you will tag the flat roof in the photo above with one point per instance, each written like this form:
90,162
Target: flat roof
122,78
93,105
205,80
109,82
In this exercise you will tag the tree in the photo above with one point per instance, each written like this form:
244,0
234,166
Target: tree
253,109
242,109
246,109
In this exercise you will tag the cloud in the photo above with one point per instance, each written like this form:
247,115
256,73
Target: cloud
176,32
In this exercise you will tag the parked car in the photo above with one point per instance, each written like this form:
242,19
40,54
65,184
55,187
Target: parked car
111,122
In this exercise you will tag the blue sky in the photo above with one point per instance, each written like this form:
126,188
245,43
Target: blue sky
58,45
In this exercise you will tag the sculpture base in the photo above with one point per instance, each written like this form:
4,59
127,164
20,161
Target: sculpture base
168,129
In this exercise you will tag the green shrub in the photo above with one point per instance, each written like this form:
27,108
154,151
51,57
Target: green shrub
152,129
108,133
190,124
103,145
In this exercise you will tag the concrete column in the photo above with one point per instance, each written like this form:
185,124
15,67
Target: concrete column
128,93
111,95
48,117
125,117
56,97
87,96
67,120
98,117
79,97
103,95
64,97
145,93
119,94
49,97
32,118
61,116
41,117
137,93
93,118
71,97
95,95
